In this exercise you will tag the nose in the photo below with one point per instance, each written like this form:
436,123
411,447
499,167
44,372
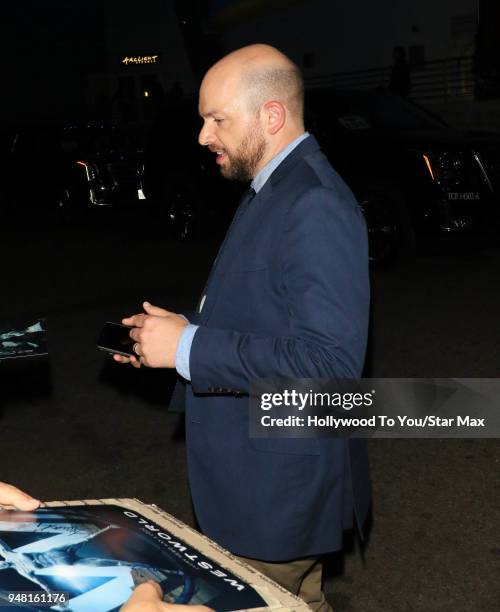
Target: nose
205,137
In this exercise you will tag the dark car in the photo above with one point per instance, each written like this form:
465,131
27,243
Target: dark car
106,169
75,168
416,178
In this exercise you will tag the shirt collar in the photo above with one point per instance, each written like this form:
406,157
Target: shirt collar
262,176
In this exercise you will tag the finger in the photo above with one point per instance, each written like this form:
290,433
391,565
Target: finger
136,320
27,504
136,362
147,592
134,333
155,310
126,320
121,358
137,349
12,496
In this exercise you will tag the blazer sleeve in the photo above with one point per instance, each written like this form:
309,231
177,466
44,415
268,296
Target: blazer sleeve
324,267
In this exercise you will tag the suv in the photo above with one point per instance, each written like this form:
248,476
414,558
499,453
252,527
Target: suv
415,177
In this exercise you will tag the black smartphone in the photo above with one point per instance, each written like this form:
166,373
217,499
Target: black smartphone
114,338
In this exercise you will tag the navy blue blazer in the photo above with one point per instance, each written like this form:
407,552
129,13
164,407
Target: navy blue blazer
288,297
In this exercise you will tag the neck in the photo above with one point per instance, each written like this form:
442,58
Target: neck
275,147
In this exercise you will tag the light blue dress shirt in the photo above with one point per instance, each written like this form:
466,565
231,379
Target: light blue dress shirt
186,339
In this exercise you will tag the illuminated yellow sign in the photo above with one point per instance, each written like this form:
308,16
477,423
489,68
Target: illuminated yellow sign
141,59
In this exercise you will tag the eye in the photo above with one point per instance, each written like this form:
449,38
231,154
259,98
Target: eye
218,120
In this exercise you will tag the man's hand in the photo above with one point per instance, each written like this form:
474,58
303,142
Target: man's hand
147,597
10,496
156,333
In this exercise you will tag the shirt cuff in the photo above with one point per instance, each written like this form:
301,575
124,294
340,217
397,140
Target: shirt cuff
184,350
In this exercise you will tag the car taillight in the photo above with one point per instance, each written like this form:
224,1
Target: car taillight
446,168
429,166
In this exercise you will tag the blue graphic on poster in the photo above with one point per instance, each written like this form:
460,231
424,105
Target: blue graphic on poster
23,339
96,555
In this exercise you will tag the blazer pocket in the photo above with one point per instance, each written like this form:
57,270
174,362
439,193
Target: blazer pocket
286,446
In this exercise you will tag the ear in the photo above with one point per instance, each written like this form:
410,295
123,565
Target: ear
275,116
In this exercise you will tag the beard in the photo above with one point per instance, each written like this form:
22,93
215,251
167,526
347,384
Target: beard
243,162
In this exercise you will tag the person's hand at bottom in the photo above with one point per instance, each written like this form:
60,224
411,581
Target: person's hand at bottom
11,496
147,597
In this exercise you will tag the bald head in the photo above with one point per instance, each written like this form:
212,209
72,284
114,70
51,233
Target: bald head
251,103
263,73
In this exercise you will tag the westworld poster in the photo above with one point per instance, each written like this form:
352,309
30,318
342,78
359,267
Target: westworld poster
23,339
95,555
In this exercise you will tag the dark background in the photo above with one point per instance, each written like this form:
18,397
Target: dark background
80,426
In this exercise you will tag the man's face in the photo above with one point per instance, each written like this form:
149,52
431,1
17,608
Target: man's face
230,130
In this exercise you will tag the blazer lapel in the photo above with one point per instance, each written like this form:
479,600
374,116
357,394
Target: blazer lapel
249,206
220,264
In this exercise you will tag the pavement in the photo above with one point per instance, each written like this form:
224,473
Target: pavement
80,426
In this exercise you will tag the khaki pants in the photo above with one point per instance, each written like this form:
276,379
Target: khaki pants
301,577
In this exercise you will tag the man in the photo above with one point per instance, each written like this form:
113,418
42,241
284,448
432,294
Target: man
287,297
